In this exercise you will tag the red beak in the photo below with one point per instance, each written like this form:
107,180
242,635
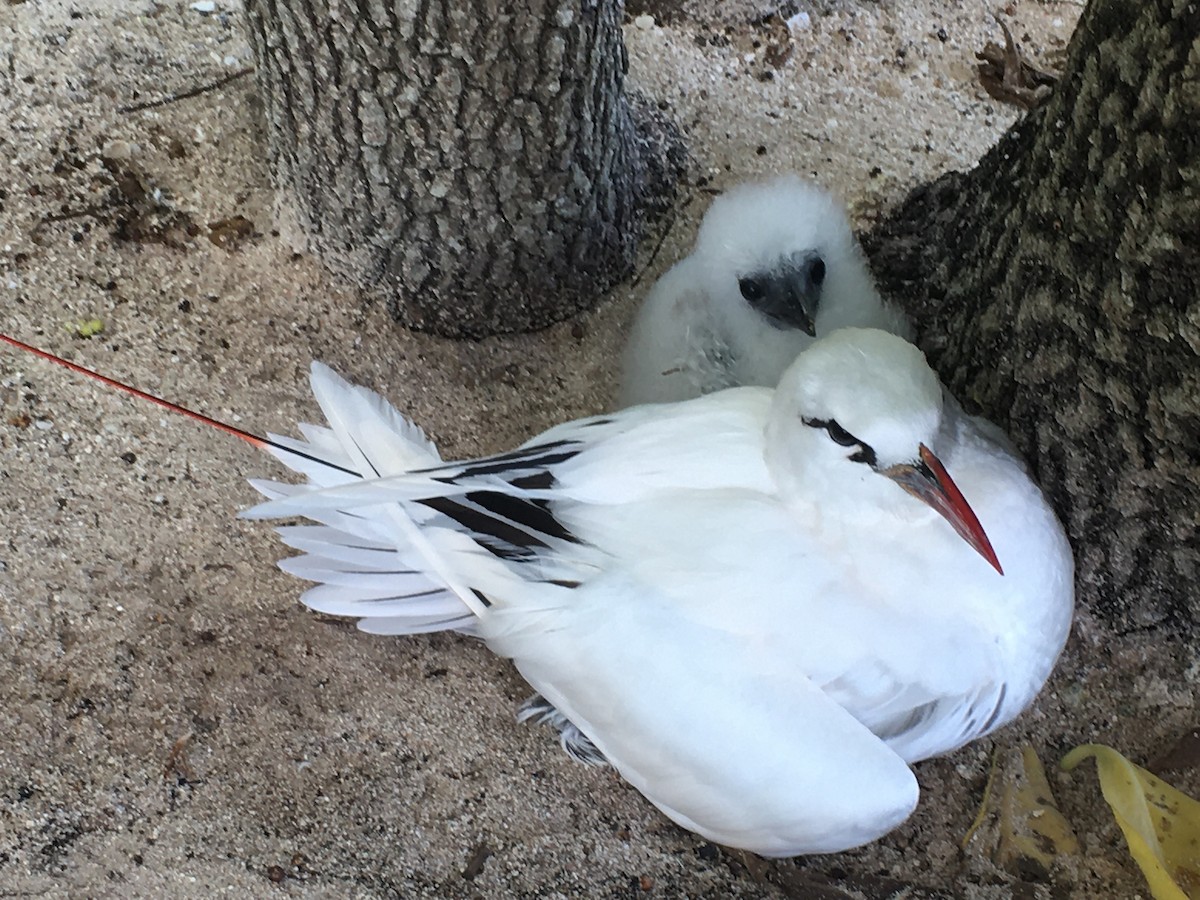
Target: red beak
930,483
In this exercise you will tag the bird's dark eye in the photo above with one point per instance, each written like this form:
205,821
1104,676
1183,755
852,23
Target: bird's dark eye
839,434
752,289
817,272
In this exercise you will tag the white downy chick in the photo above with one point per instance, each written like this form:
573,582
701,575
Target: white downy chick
759,606
775,264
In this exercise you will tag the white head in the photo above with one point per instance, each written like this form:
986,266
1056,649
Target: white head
780,254
858,409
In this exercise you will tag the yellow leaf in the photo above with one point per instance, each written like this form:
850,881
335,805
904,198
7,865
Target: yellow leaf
1161,825
86,329
1019,827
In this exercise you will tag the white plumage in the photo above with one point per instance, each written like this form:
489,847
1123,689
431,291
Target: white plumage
775,264
754,604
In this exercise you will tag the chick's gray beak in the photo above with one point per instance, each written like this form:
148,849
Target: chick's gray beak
789,295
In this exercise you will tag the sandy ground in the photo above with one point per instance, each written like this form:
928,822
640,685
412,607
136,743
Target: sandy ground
173,722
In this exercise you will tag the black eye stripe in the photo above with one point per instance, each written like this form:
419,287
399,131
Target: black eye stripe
839,434
842,437
864,455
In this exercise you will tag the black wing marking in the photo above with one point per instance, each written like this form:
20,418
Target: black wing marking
537,457
534,515
508,526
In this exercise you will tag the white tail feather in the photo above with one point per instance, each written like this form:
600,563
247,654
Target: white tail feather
380,438
405,625
366,584
374,563
338,601
339,547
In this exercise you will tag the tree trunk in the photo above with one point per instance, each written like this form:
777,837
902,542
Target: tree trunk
1056,287
473,161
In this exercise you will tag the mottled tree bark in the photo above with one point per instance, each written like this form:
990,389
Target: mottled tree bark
473,161
1056,288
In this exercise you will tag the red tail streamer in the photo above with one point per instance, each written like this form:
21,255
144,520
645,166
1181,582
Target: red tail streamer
254,440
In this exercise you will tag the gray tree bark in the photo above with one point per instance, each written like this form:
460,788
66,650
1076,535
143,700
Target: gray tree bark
473,161
1056,288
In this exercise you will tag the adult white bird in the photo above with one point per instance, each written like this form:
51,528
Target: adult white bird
775,264
760,605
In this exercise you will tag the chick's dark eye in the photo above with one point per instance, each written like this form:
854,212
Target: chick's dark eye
817,272
751,288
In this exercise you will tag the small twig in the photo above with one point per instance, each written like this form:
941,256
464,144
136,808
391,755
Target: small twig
662,239
194,92
67,216
1011,78
177,762
94,211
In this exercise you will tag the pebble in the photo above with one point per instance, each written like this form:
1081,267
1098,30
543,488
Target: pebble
801,21
118,150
